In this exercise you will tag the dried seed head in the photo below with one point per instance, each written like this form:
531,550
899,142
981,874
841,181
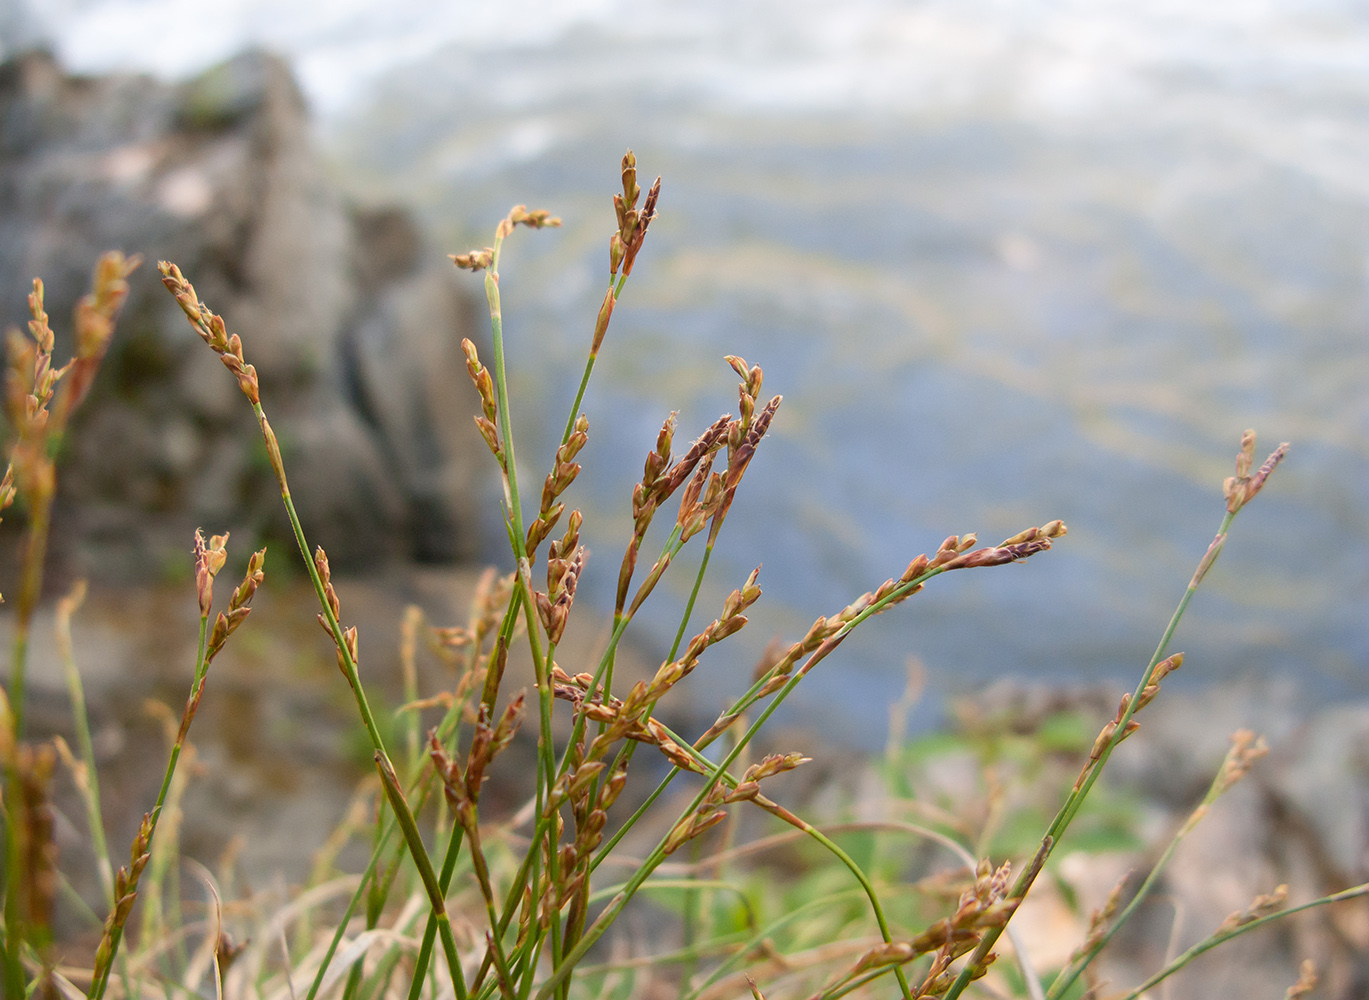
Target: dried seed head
1101,742
480,378
774,764
326,578
998,884
568,541
915,569
744,792
643,219
739,600
772,685
1241,488
1162,670
692,826
541,526
1307,981
770,657
1246,748
211,330
1261,906
38,325
209,559
609,793
473,260
543,604
347,650
1246,456
1122,707
1167,666
659,459
606,309
507,727
1100,918
892,953
538,218
227,951
625,572
487,430
630,190
94,325
251,580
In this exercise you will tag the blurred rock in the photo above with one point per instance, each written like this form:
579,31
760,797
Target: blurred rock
356,342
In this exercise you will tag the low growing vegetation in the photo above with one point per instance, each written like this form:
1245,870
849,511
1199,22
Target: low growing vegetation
456,903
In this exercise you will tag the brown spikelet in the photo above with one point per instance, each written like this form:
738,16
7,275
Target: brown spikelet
474,260
1241,488
93,324
605,315
239,606
1307,981
125,893
211,329
1262,906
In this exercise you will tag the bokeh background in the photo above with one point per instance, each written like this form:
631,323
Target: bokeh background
1006,261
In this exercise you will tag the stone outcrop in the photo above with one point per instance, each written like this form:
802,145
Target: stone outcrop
353,325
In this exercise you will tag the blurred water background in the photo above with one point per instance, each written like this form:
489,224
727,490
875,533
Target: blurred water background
1007,262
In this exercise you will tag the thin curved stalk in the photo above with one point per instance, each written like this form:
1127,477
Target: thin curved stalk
1075,800
1221,938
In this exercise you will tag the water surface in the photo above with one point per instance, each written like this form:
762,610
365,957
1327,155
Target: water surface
1006,263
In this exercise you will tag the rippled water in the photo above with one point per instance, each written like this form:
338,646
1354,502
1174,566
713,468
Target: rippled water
1006,262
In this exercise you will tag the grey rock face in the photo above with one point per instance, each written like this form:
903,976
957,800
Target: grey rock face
357,344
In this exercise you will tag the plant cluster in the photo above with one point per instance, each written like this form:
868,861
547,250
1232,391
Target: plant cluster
452,903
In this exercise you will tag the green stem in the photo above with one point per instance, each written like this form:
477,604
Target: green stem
416,784
334,628
589,369
658,855
350,909
1077,795
97,988
1224,936
1072,972
444,881
425,869
749,698
81,722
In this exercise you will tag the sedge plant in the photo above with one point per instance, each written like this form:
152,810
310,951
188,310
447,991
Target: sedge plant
456,902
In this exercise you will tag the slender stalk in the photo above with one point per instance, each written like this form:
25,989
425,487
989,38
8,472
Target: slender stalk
425,870
617,289
444,881
350,909
1071,972
81,722
422,784
115,933
1222,937
658,855
1080,792
517,537
334,627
